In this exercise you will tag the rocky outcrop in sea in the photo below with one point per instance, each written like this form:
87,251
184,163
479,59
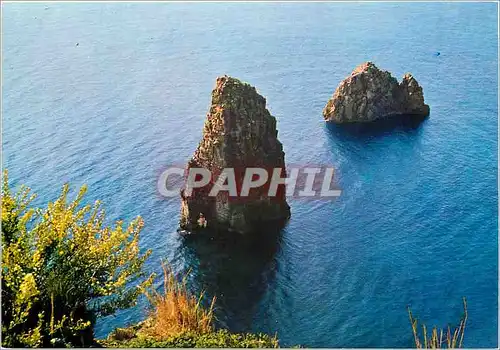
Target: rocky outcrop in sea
239,133
369,94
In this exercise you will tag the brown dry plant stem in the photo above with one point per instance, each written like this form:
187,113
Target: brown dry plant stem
177,311
454,339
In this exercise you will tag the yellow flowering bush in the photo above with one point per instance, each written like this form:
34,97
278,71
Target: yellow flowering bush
62,267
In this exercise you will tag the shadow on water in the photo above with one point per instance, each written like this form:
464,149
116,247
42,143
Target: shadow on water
235,268
381,127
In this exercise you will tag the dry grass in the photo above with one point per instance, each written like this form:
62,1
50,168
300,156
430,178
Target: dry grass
176,311
440,338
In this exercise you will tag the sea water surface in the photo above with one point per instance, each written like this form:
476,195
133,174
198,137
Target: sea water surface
110,94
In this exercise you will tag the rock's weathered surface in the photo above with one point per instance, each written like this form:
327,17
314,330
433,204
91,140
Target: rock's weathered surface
369,94
239,133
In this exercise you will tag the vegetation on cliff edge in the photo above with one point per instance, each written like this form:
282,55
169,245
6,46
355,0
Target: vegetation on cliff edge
62,268
178,319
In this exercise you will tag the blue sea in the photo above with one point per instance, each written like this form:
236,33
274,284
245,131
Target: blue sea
109,94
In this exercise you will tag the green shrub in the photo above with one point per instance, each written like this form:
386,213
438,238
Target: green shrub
216,339
62,268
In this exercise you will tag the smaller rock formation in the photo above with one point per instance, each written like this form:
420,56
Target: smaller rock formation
239,133
369,94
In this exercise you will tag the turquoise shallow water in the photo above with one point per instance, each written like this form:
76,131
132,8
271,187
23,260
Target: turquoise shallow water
417,220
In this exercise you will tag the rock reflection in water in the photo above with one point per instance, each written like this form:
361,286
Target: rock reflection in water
235,268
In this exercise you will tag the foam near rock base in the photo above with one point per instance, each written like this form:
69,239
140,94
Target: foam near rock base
369,94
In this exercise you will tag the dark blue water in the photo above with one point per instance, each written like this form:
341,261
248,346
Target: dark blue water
417,221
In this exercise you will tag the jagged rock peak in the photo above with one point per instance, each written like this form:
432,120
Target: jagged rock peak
240,133
369,93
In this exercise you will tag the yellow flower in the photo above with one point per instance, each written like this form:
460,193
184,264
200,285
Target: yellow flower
28,288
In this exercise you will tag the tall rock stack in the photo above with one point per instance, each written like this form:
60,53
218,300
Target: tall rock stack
369,94
239,133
